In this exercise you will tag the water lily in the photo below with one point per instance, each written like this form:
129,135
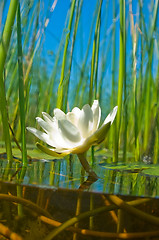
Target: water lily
74,132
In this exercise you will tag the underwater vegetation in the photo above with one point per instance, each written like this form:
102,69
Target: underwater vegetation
119,66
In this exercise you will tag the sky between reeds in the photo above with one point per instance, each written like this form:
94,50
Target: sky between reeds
75,51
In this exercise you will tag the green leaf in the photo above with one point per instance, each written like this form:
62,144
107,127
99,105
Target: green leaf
130,167
153,171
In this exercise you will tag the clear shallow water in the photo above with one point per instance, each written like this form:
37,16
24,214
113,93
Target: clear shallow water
131,179
53,187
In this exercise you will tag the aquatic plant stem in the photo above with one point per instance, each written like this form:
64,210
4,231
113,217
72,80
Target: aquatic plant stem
86,165
149,80
78,210
100,234
4,46
121,78
93,212
134,46
60,93
19,206
8,234
94,64
82,83
125,120
94,60
134,211
77,17
26,203
113,101
91,219
22,105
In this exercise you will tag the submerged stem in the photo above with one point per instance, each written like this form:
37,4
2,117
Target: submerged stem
86,165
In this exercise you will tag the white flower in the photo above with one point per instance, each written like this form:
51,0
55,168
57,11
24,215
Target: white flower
74,132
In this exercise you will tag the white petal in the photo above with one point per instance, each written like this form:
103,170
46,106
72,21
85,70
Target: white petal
53,136
51,121
69,131
70,116
55,133
47,117
59,114
45,125
85,122
111,116
41,135
51,128
76,111
58,139
96,115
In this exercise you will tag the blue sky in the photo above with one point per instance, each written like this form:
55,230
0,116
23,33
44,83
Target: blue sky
57,22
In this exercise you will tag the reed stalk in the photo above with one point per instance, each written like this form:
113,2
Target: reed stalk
149,80
60,92
94,60
94,64
78,210
52,79
134,71
22,105
82,80
121,79
113,57
77,16
113,100
4,46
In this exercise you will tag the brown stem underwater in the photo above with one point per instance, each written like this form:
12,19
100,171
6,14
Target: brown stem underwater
86,165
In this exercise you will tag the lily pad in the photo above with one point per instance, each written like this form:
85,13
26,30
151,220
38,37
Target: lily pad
153,172
32,152
129,167
109,153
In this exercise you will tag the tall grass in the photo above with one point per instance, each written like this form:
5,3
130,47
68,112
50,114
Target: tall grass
94,60
118,66
4,46
121,78
149,80
60,93
22,105
134,71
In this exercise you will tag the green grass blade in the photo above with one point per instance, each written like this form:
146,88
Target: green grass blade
121,78
82,80
94,61
113,100
149,81
60,93
4,45
134,60
22,105
78,13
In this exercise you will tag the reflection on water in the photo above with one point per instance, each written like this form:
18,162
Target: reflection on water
50,194
68,174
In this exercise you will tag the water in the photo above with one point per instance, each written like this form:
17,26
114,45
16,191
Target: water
124,179
54,187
